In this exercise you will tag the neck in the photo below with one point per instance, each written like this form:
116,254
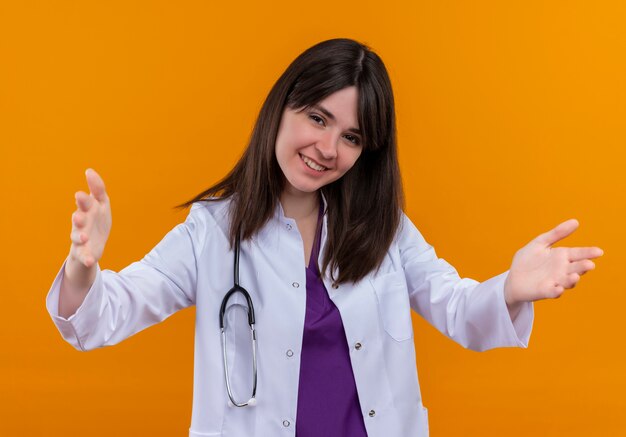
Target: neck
299,206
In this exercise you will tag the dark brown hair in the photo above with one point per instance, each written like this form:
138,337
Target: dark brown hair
364,207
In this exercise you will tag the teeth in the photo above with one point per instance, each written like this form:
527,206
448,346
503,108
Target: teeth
312,164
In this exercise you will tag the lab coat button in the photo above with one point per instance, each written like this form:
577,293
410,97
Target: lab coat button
286,423
288,227
358,346
295,285
289,353
372,413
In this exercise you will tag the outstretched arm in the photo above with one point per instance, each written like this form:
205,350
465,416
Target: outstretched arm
472,313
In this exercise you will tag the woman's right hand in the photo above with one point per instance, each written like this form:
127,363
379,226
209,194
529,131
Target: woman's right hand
91,222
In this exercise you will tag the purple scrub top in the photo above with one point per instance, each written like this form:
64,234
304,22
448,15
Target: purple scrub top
328,403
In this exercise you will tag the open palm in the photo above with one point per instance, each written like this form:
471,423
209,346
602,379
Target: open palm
91,222
540,271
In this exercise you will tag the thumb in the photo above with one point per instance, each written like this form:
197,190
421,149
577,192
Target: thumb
558,233
96,185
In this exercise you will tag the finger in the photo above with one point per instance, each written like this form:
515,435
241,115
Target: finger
568,281
88,261
580,253
572,279
581,267
78,219
78,237
96,184
83,200
558,233
81,254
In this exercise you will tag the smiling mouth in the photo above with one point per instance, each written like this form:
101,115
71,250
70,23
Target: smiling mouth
312,164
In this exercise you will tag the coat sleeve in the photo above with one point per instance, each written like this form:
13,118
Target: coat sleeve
146,292
472,313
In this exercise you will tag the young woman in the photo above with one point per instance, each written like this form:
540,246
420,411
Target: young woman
331,264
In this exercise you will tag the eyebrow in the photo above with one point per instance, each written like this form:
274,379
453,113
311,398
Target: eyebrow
330,115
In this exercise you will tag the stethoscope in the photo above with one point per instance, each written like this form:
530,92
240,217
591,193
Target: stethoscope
237,288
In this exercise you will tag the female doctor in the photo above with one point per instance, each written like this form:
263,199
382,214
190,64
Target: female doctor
331,264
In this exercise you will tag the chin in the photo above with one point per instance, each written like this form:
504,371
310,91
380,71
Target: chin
303,187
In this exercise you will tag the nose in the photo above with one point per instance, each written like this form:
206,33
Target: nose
327,145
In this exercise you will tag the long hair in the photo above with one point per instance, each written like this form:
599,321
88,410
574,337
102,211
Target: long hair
364,207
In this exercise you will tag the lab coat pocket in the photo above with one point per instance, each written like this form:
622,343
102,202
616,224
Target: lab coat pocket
393,305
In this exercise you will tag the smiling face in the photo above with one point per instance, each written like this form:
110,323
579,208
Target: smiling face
319,144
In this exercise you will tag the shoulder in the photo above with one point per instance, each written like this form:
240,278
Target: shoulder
406,231
209,217
409,240
215,210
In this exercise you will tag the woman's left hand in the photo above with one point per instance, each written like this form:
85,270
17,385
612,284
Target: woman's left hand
540,271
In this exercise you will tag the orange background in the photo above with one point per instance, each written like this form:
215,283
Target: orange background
511,119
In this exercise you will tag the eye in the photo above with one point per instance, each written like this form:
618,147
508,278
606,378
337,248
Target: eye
353,139
317,119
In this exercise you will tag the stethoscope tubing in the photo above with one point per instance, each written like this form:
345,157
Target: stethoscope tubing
251,322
